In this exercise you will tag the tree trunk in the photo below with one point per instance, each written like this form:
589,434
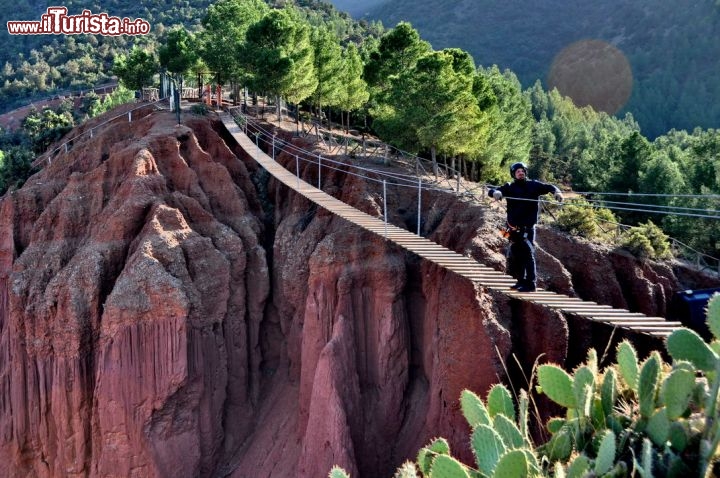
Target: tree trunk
433,156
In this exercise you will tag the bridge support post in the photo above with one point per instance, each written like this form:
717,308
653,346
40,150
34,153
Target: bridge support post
385,205
319,171
297,170
419,203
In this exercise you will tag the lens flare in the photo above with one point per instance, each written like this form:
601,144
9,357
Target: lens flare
594,73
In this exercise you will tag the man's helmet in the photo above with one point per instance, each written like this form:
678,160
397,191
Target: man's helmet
515,167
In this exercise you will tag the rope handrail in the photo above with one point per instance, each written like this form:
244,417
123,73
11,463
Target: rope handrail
605,193
64,145
451,177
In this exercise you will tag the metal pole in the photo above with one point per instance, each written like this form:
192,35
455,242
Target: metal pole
297,170
385,205
66,147
419,194
319,169
257,144
273,148
129,116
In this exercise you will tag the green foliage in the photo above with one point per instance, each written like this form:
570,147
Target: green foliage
328,63
137,69
432,106
647,241
199,109
407,470
15,167
280,56
223,39
504,135
578,218
353,92
398,51
179,53
47,126
96,105
648,385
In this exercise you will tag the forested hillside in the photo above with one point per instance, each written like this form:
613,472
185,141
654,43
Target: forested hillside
35,66
673,47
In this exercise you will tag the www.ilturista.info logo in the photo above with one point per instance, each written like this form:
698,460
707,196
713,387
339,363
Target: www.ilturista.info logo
57,22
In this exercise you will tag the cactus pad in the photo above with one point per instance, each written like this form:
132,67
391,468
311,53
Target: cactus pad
557,385
499,400
686,344
606,454
512,464
676,392
713,315
487,447
648,384
628,364
446,466
473,409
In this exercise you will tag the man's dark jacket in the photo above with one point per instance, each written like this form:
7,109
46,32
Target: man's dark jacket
523,211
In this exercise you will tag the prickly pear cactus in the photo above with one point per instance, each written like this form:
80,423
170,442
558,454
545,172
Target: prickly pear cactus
473,409
557,385
513,464
407,470
628,367
648,384
500,401
338,472
488,447
446,466
713,315
686,344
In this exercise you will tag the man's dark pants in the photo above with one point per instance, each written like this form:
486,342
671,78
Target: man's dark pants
521,256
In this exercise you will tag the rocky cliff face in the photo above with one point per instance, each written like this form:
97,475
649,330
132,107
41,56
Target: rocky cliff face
168,310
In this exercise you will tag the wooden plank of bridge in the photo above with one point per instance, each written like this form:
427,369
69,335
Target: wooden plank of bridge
451,260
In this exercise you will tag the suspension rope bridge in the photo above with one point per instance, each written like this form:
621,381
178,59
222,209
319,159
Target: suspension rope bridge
446,258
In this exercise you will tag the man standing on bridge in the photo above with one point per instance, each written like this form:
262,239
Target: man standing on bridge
522,214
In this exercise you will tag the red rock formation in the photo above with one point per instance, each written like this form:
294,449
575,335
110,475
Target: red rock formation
167,310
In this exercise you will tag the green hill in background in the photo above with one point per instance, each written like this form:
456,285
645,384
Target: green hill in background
34,66
673,47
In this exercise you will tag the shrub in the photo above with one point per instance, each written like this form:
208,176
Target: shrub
581,218
647,241
199,109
